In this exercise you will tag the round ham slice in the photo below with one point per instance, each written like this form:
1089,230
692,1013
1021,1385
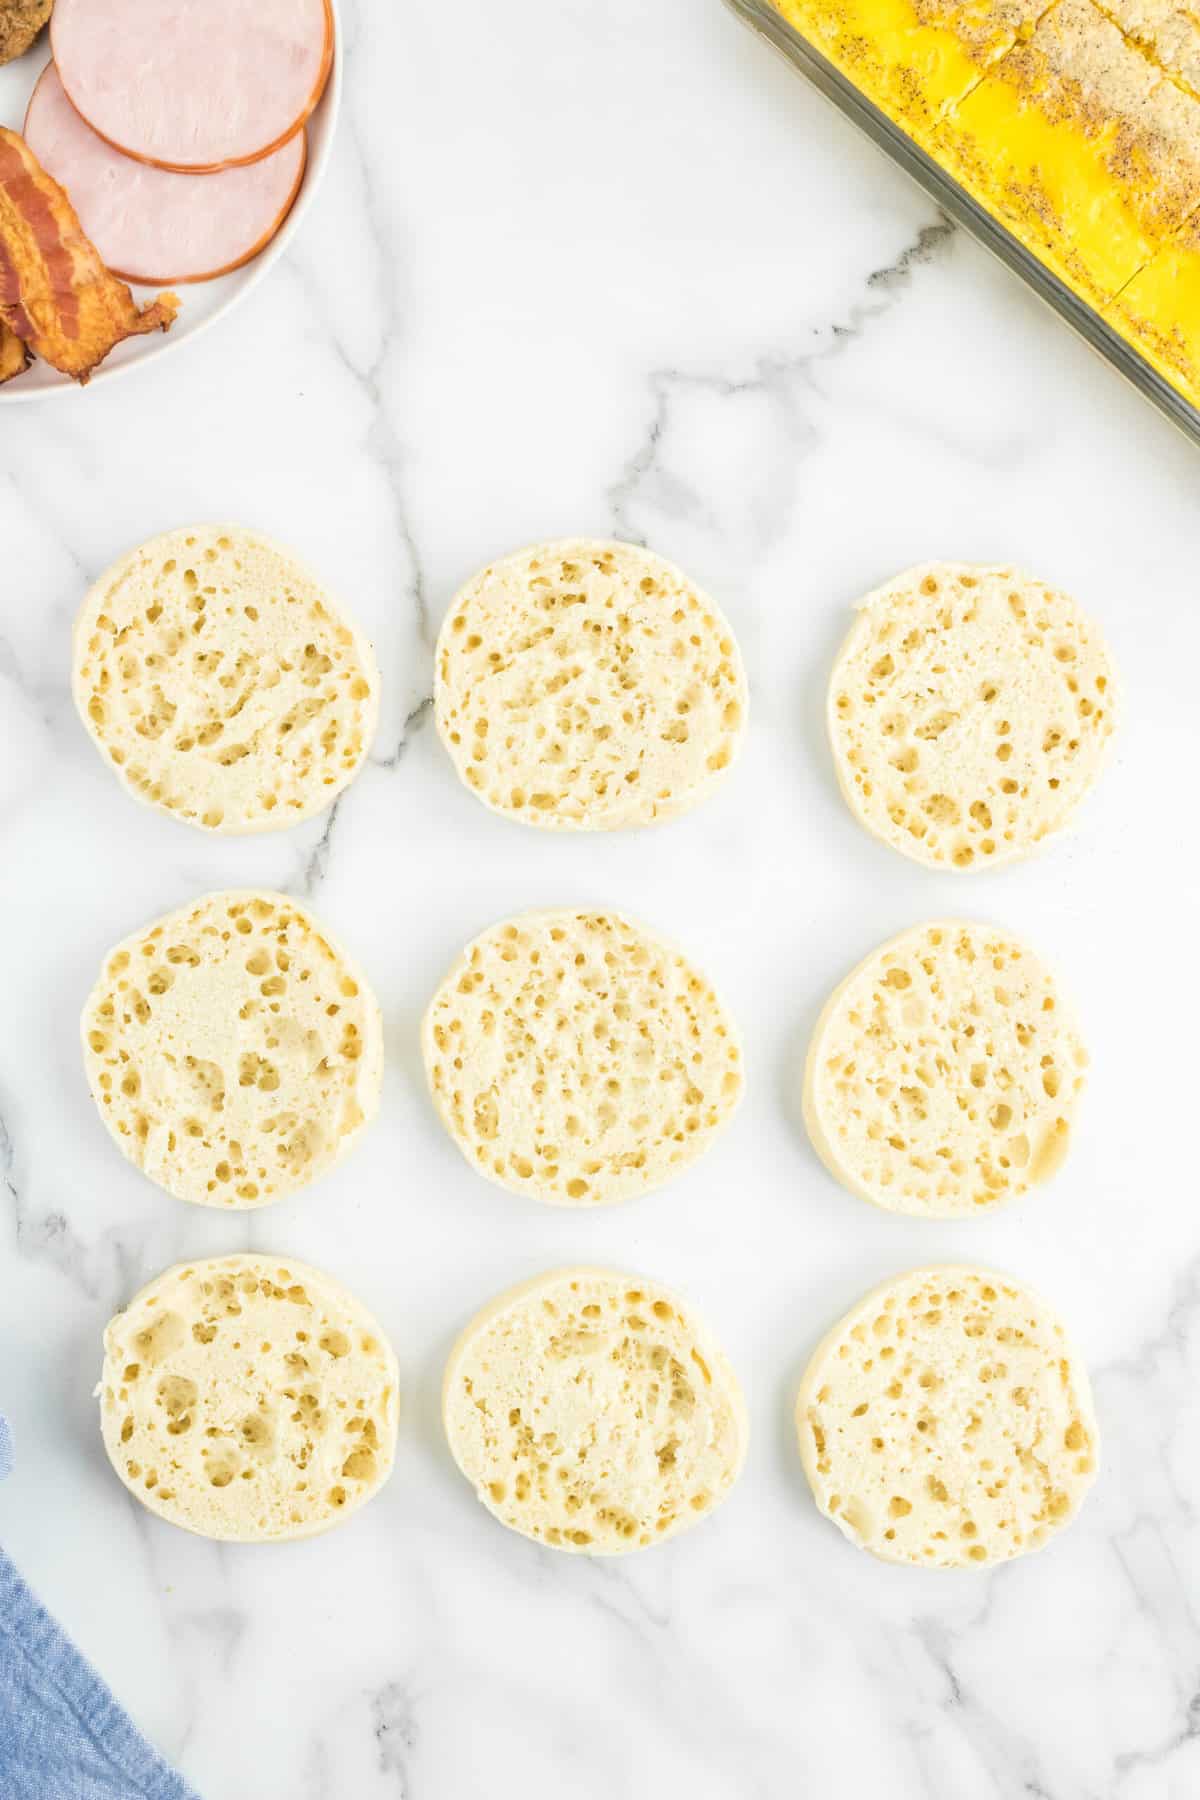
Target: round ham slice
193,85
151,224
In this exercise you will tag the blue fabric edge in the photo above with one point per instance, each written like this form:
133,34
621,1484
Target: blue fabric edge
25,1623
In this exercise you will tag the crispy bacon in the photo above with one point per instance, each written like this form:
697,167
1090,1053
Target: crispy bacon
14,357
55,293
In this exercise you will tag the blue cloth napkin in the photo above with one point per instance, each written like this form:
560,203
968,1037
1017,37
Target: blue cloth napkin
62,1735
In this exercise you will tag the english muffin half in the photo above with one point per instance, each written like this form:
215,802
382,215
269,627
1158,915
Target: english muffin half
593,1411
584,685
233,1049
947,1421
970,711
248,1397
222,682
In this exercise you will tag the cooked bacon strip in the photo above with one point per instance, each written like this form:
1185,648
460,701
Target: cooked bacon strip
14,357
55,293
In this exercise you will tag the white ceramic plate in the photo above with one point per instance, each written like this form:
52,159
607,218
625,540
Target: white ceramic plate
201,303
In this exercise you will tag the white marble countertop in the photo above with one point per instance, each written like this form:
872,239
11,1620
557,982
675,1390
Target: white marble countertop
614,269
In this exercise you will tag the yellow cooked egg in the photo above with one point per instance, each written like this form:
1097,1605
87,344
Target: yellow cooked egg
1076,125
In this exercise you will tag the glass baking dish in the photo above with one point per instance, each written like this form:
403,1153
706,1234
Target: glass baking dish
968,212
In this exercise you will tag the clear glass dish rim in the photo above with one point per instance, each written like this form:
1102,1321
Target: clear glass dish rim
960,206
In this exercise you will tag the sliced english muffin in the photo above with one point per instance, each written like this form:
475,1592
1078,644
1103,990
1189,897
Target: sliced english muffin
944,1073
970,710
221,681
947,1421
585,685
577,1058
233,1048
248,1397
593,1411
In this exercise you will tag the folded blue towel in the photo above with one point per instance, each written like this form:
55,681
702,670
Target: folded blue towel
62,1735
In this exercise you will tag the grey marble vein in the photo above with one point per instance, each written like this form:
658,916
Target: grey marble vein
778,379
416,721
397,1734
